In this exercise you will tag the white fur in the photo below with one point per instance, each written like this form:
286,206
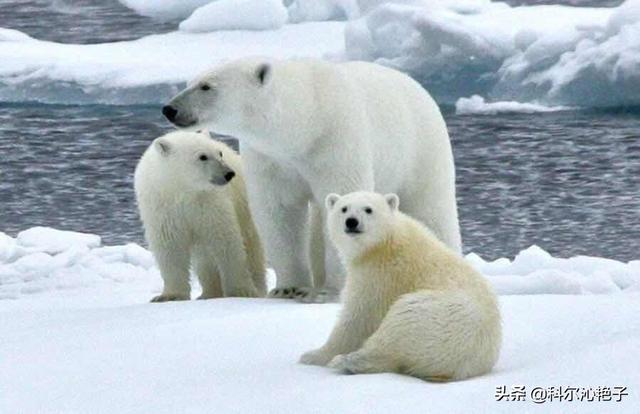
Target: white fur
411,305
307,128
192,216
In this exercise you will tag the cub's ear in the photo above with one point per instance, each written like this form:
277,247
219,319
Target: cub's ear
263,73
392,201
331,200
162,146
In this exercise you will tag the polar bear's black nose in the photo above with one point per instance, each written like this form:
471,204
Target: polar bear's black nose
229,176
170,112
352,223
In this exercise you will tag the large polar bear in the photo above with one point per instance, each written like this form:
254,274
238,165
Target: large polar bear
411,305
193,205
308,128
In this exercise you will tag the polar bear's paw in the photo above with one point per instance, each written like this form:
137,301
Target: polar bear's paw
288,292
352,363
169,297
340,363
318,295
361,363
316,357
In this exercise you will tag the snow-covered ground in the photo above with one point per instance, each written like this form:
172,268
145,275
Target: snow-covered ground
78,335
553,55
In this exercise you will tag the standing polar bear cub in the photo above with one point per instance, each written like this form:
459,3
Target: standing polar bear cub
411,305
307,128
193,205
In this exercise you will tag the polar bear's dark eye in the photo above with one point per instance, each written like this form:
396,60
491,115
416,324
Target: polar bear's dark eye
368,210
220,154
205,87
344,209
203,157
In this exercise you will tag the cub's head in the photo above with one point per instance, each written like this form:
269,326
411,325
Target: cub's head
229,99
360,220
191,160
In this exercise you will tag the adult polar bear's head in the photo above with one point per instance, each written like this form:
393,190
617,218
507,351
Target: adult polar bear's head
361,220
229,99
267,103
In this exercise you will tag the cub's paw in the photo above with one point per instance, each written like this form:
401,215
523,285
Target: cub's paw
316,357
319,295
169,297
340,363
359,362
287,292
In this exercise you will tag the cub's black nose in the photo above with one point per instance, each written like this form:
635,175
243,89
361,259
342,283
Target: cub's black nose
170,112
352,223
229,176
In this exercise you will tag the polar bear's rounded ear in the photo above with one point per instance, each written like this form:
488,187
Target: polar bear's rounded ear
162,146
263,73
392,201
331,200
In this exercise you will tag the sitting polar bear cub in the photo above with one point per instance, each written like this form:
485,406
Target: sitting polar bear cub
411,305
195,212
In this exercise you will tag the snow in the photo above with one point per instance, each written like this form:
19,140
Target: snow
235,355
54,241
477,105
164,10
144,71
43,259
314,10
557,55
237,15
534,271
78,335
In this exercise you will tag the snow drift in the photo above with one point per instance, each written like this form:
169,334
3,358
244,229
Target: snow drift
477,105
42,259
313,10
164,10
557,55
236,15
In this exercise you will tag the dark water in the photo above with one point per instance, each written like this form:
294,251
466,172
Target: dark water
568,181
78,21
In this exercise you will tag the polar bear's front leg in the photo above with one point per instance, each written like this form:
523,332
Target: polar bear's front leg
334,273
347,336
359,318
286,248
279,199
